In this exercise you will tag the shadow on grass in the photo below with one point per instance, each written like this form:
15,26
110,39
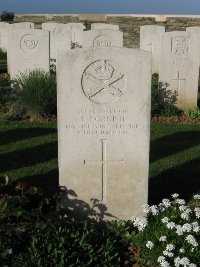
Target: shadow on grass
7,137
171,144
28,157
184,179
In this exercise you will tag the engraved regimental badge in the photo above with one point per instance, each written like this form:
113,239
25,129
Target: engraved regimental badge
103,82
28,43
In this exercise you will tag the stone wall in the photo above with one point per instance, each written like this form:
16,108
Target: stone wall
129,24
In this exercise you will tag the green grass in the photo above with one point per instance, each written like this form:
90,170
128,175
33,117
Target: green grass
28,152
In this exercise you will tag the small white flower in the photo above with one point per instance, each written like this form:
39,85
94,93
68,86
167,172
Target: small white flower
192,265
182,207
179,230
191,240
197,196
184,261
140,223
185,216
192,249
166,202
149,245
196,227
170,225
187,227
177,261
164,264
154,210
182,250
165,220
170,247
168,253
160,259
146,208
180,201
197,212
175,195
163,238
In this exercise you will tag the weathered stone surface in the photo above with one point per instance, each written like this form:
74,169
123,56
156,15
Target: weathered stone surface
4,35
104,26
13,27
102,38
93,17
195,30
150,42
28,50
103,129
60,37
76,34
179,69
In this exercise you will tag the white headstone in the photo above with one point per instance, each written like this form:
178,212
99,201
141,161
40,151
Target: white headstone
104,26
179,69
195,30
76,34
3,35
60,37
102,38
28,50
150,42
13,27
103,127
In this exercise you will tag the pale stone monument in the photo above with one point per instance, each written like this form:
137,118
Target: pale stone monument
104,26
28,50
76,34
13,27
3,35
60,37
179,69
195,30
150,42
102,38
103,128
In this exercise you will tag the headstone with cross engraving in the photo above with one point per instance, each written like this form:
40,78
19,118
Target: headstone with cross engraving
150,42
103,35
179,69
29,50
76,34
103,128
3,35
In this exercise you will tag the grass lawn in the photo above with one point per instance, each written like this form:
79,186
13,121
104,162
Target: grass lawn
28,152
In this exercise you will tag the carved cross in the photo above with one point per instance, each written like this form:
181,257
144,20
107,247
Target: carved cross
179,80
104,161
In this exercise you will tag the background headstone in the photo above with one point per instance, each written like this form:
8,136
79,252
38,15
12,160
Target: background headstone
195,30
179,69
28,50
60,37
104,26
150,42
103,128
13,27
4,35
76,34
102,38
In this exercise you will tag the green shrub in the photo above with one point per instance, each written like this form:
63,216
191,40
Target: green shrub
193,113
37,93
169,110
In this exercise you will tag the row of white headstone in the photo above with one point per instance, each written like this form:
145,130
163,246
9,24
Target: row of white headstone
29,48
176,58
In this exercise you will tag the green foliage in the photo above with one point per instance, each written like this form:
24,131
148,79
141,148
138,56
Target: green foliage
3,55
38,93
165,108
193,113
7,16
